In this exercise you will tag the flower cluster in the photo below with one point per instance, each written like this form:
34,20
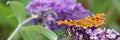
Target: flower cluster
65,10
95,34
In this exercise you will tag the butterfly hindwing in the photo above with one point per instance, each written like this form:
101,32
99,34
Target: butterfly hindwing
97,19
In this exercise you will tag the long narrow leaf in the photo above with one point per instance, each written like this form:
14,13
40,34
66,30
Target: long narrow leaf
29,35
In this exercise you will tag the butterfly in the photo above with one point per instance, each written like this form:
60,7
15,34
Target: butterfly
89,21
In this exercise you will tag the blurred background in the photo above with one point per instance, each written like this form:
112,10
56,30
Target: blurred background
111,8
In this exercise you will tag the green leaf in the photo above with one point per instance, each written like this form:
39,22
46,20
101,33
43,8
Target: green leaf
6,27
61,32
42,37
18,10
48,33
17,37
29,35
4,12
7,16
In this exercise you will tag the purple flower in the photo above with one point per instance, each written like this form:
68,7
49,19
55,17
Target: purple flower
102,36
75,12
79,36
117,33
111,33
93,36
63,5
88,31
118,38
99,30
100,33
111,36
49,22
36,6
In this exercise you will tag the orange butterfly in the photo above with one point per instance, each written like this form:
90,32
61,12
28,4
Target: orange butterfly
89,21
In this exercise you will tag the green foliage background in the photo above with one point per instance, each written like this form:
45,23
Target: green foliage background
10,16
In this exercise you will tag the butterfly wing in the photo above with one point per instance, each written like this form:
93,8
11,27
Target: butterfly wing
97,19
67,22
93,20
82,23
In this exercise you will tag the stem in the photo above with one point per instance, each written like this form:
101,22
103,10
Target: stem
20,25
